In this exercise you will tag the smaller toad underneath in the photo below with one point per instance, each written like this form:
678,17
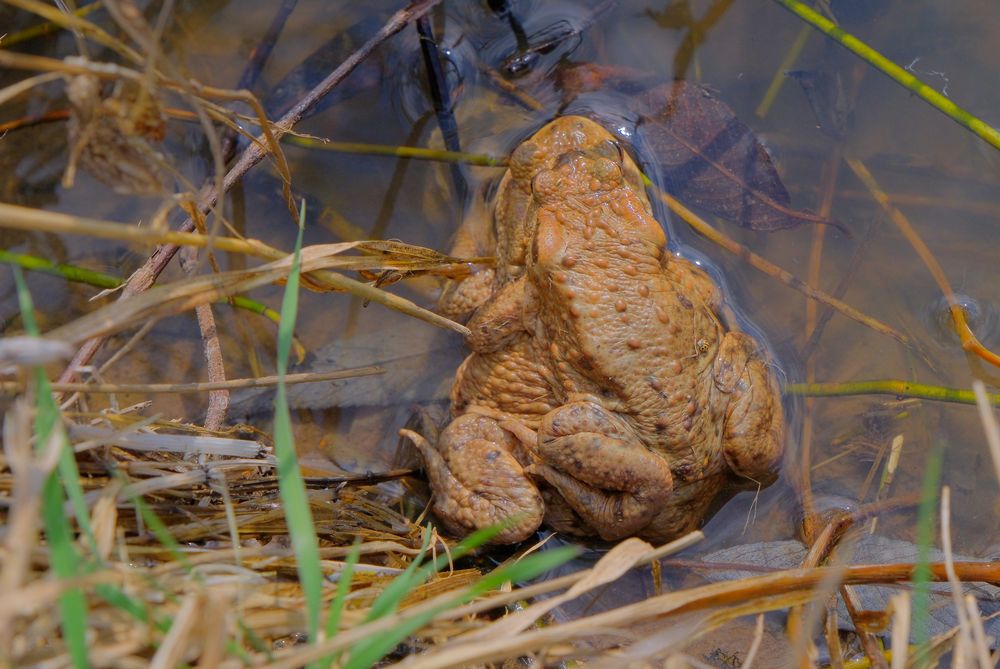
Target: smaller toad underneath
603,395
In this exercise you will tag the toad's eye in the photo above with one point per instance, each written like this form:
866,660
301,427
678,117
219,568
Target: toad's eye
611,150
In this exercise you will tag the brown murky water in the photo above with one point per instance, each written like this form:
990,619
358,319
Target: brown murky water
944,179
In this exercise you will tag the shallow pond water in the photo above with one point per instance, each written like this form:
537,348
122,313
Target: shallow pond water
942,177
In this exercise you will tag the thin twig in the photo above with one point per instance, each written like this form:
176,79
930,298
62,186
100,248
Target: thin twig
769,268
218,400
804,482
969,341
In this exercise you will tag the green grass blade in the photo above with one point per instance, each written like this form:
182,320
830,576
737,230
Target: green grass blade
395,592
72,605
65,560
161,532
389,599
340,601
47,418
374,648
294,498
474,541
114,596
343,589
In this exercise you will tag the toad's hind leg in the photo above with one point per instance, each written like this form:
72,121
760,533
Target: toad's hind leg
753,439
602,469
477,481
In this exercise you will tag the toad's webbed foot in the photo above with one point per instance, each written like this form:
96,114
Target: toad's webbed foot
477,480
602,469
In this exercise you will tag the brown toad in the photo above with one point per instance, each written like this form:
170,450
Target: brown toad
634,409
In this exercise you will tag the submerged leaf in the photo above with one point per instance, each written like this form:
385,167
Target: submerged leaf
705,156
712,160
825,92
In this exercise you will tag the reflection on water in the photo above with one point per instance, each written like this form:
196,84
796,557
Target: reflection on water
944,178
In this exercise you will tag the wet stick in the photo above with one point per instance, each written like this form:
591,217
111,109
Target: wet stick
829,188
412,152
441,98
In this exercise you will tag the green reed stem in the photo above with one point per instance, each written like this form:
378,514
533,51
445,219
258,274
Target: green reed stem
888,387
46,28
894,71
415,152
107,281
69,272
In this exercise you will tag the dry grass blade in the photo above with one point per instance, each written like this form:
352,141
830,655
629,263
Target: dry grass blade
970,642
25,85
614,623
758,637
186,294
15,217
25,351
900,607
230,384
172,652
71,21
380,255
321,258
29,471
164,300
990,425
170,443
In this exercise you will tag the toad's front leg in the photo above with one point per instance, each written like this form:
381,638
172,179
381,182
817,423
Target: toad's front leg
606,474
478,481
